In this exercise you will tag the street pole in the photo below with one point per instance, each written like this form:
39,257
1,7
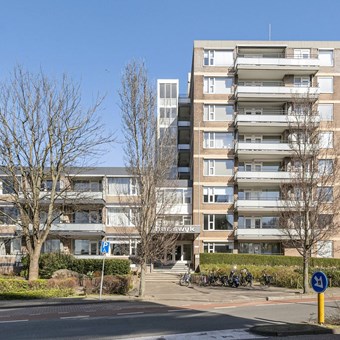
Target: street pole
102,278
321,308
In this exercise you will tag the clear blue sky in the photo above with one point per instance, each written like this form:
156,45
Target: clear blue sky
92,40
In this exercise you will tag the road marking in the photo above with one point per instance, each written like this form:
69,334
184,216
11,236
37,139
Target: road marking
75,317
63,312
131,313
13,321
225,307
35,314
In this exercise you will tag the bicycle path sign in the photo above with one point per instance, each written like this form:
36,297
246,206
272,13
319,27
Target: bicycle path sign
319,282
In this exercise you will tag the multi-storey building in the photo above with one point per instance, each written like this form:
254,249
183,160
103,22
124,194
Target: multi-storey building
237,116
232,131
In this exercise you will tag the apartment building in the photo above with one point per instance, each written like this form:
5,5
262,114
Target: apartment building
233,135
94,204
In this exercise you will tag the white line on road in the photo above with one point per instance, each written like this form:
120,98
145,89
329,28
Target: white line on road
34,314
75,317
63,312
131,313
13,321
225,307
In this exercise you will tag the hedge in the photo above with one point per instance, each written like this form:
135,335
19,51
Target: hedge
49,263
265,260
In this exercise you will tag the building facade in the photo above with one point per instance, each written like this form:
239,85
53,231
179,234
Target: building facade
233,138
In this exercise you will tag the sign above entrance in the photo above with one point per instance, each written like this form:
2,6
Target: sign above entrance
183,229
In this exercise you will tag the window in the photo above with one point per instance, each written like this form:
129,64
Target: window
7,185
263,222
51,246
87,185
168,90
218,194
218,85
218,222
175,196
167,112
218,247
218,58
326,112
119,216
253,111
326,140
326,57
8,215
325,249
260,248
86,247
302,53
219,113
218,167
122,186
302,81
218,140
87,216
325,84
325,166
325,194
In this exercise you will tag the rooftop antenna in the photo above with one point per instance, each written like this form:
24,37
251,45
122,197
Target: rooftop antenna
270,32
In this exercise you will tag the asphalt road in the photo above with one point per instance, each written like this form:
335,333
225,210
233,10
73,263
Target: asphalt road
122,319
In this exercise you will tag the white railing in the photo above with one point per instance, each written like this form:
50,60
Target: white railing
280,61
271,233
265,147
259,204
77,227
281,119
268,176
285,91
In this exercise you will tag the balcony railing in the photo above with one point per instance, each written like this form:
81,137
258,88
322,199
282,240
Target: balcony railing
265,176
247,205
262,234
79,227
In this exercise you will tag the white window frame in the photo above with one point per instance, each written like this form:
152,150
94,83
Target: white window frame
303,81
326,139
208,55
330,86
328,112
324,61
302,53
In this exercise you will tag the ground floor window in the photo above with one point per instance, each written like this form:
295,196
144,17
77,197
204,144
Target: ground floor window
86,247
218,247
268,248
123,247
10,246
325,249
52,246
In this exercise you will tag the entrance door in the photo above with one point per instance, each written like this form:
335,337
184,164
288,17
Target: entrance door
178,253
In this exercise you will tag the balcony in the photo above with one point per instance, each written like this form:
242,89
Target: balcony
259,234
249,151
274,122
274,65
254,205
84,229
272,177
273,91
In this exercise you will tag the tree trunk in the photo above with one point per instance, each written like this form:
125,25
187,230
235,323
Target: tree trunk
33,273
142,280
305,273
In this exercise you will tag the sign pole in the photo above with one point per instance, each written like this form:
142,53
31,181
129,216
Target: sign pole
102,279
321,308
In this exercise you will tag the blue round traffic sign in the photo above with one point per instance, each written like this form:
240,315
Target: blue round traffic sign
319,282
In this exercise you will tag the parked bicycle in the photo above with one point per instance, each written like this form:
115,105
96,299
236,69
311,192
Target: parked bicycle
246,278
185,279
266,280
233,279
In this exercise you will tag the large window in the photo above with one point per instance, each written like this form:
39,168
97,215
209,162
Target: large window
302,81
325,166
326,140
119,216
260,248
86,247
218,113
8,215
302,53
87,216
218,247
325,84
325,194
122,186
218,85
86,185
326,57
326,112
257,222
52,246
218,222
168,90
218,167
218,58
218,140
175,196
325,249
218,194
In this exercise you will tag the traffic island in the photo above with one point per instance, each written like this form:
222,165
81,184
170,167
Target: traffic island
290,329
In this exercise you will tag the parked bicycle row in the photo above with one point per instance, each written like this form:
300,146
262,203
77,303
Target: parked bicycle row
234,279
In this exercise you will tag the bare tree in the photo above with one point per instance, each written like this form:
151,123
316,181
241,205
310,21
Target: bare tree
308,217
44,131
150,159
